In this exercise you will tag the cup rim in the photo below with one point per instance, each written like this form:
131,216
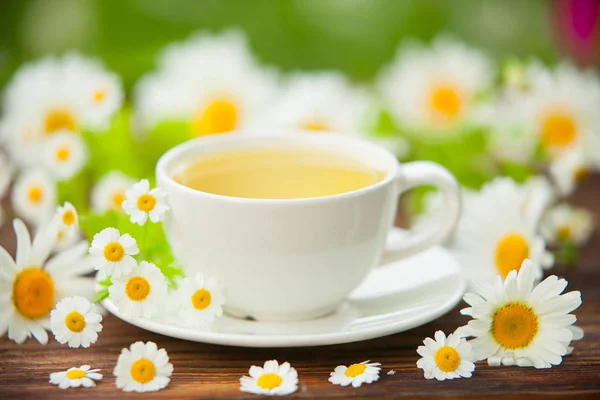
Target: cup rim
164,178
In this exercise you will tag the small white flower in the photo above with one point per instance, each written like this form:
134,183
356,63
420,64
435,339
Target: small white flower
143,368
355,374
515,320
199,299
68,217
446,358
65,154
567,223
490,243
109,192
54,95
272,379
324,101
76,377
142,203
113,253
34,282
140,292
74,321
562,108
433,89
34,196
571,168
508,138
210,81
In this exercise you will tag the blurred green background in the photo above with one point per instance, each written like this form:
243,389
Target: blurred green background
355,36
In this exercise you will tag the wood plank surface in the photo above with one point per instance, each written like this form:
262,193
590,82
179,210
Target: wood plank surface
212,371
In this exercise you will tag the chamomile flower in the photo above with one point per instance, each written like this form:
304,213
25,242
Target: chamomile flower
66,237
210,81
112,253
142,203
67,216
520,322
140,292
54,95
573,167
199,299
272,379
324,101
494,242
74,321
143,368
109,192
446,357
76,377
434,88
34,196
34,282
508,138
65,154
355,374
563,107
565,223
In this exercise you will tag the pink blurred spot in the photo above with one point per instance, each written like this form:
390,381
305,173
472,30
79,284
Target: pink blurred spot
576,24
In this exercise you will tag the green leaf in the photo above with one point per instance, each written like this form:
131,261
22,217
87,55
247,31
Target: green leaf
100,295
518,172
113,149
90,224
384,125
75,191
158,140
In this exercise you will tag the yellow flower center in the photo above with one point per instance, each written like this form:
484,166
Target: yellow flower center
220,116
354,370
35,194
75,321
33,293
63,154
201,299
137,288
447,358
511,250
581,174
445,101
146,202
514,326
75,374
142,370
314,126
117,199
68,218
268,381
565,232
558,129
60,235
98,95
114,251
57,120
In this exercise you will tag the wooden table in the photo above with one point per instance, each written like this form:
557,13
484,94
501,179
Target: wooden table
211,371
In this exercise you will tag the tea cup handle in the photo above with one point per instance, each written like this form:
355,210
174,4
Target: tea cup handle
428,173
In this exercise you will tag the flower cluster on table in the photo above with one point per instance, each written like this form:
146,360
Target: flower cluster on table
519,138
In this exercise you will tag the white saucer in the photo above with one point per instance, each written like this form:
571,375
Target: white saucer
394,298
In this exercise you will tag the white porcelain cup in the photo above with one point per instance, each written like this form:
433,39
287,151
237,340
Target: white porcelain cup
295,259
